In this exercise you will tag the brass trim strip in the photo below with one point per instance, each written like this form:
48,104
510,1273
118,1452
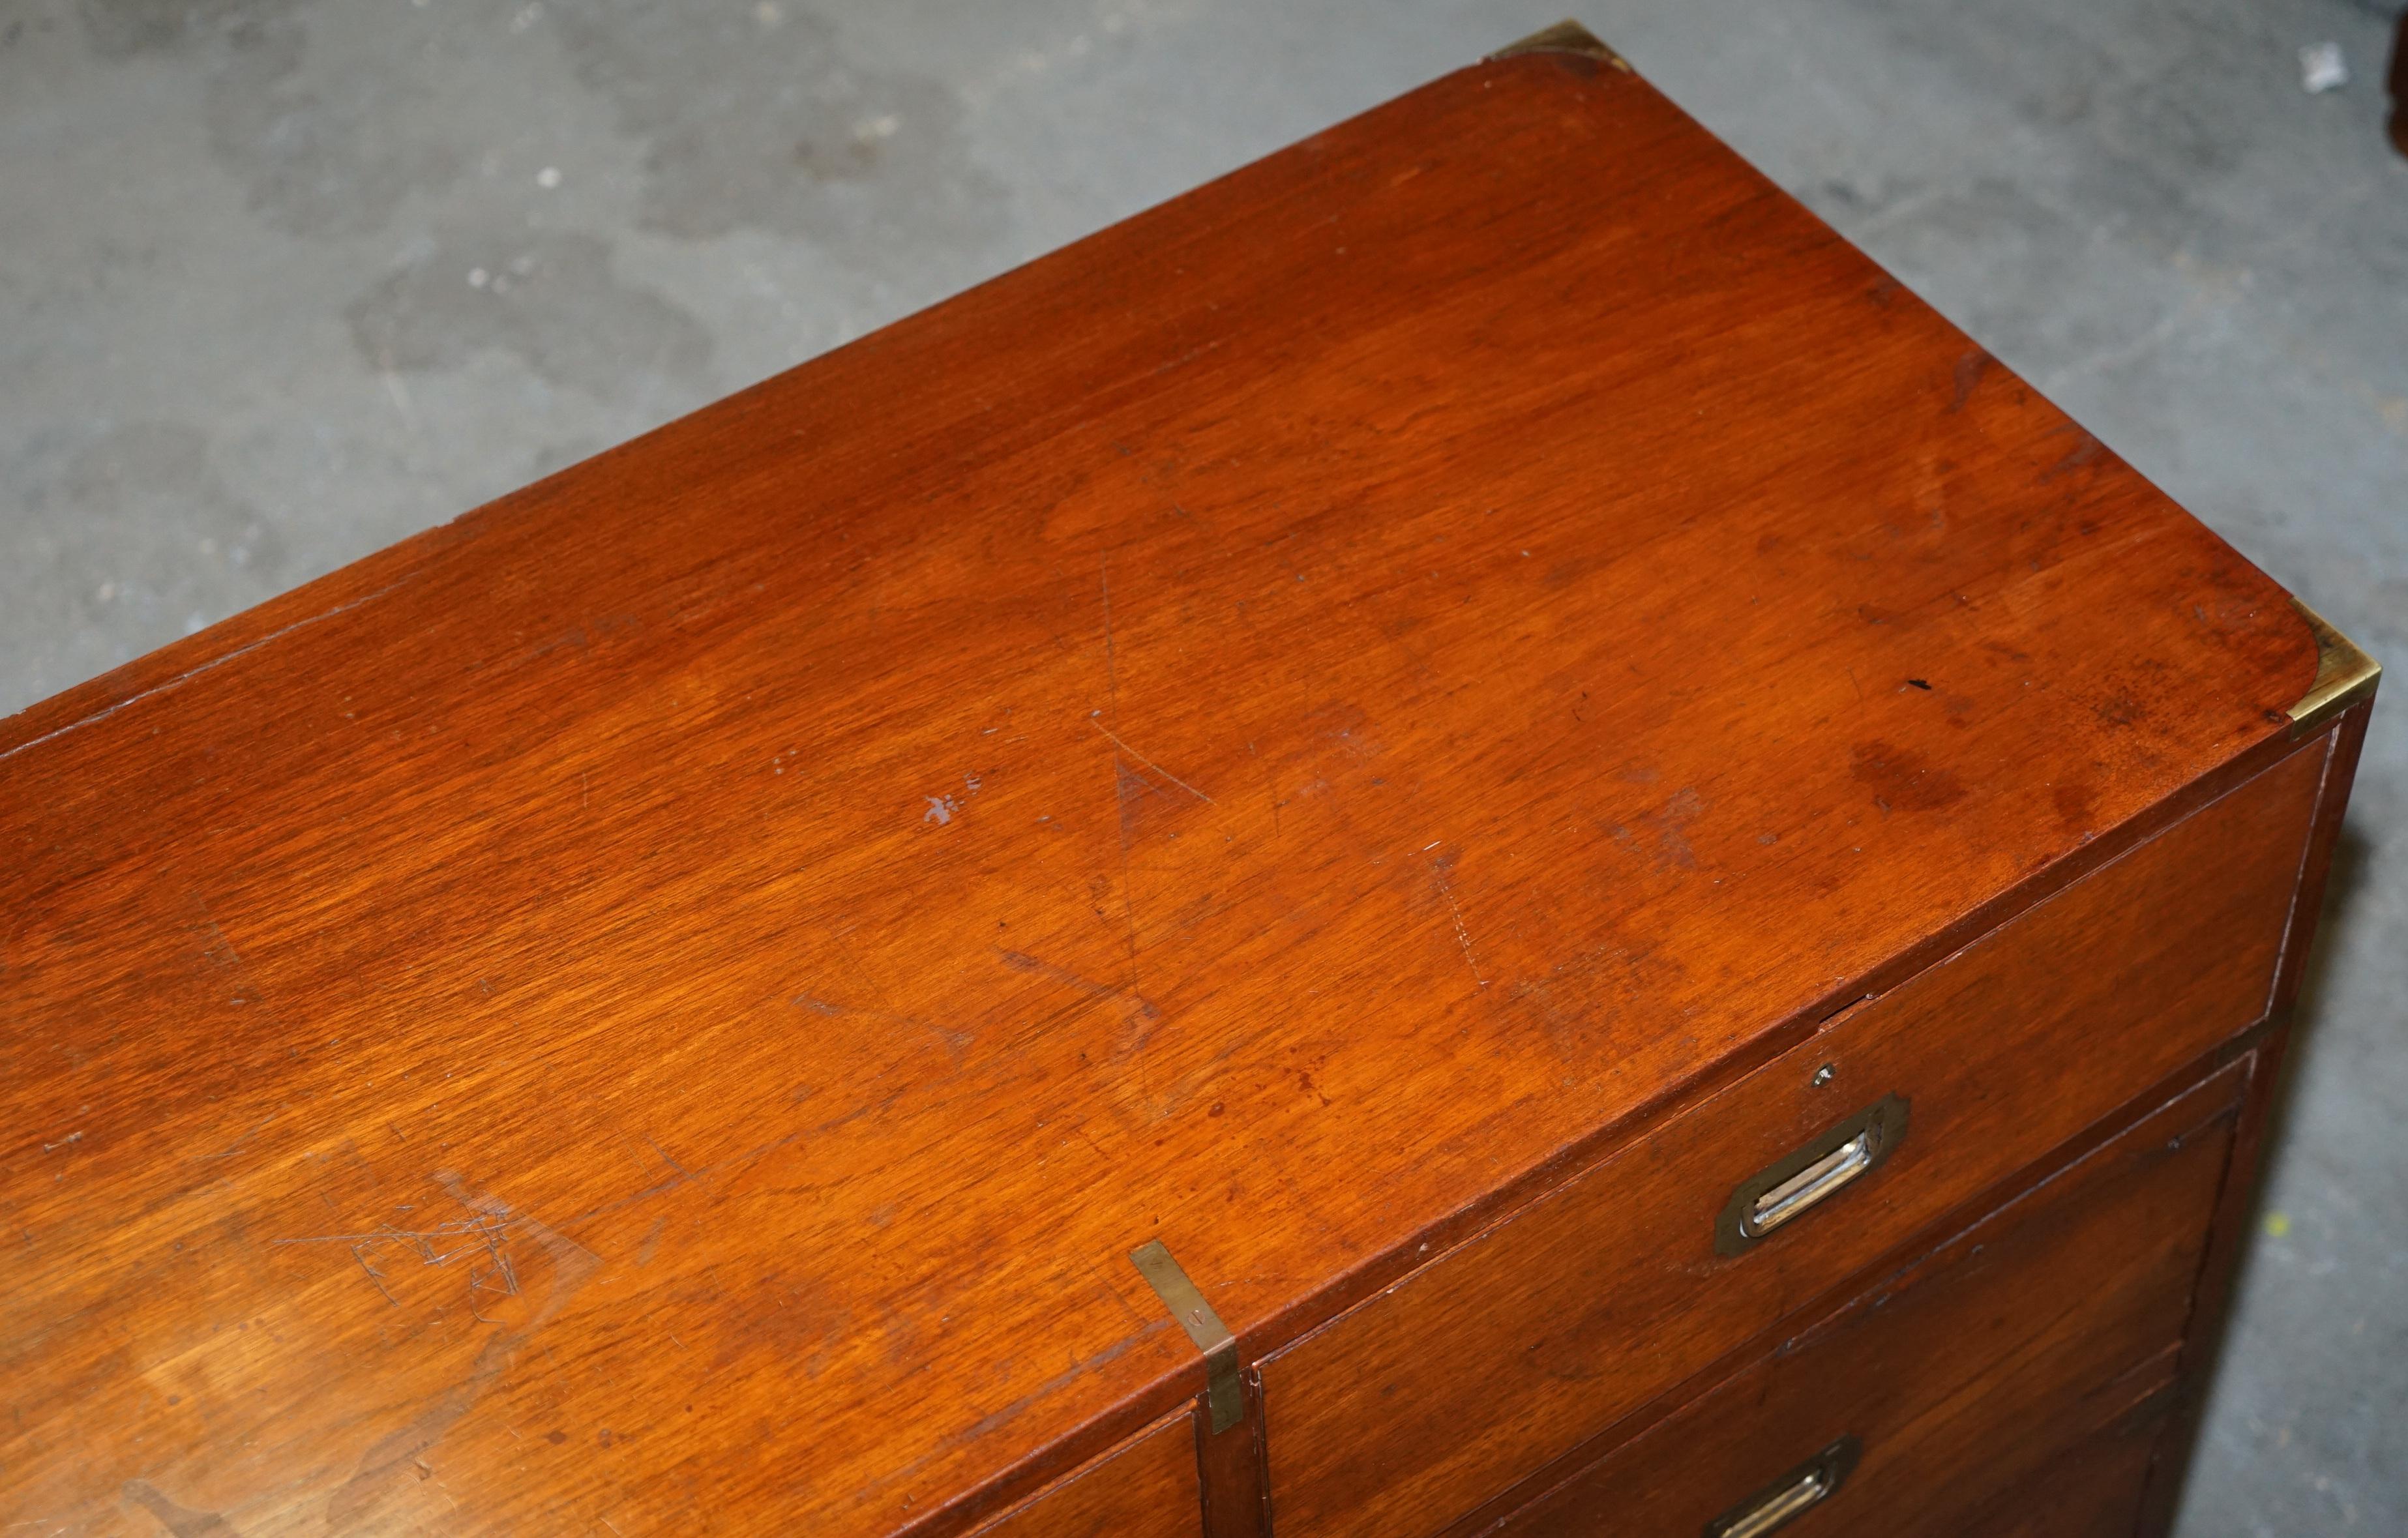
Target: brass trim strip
1224,1395
1564,37
2345,676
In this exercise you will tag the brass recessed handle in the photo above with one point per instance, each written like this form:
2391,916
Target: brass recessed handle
1810,1185
1778,1503
1807,1177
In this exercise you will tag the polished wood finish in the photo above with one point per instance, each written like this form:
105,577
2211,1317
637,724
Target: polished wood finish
1146,1488
1292,726
1499,1356
1962,1374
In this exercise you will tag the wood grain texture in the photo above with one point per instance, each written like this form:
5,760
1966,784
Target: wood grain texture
1962,1374
664,1002
1145,1488
1536,1336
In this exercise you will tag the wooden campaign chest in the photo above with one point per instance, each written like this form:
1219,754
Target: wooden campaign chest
1465,834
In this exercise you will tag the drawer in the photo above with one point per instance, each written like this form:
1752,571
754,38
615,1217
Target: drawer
2091,1490
1430,1398
1145,1488
1952,1383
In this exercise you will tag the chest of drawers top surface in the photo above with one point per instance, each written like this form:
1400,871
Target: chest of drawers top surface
1272,729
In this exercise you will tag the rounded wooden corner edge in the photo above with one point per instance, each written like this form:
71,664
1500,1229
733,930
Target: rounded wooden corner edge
2345,676
1566,36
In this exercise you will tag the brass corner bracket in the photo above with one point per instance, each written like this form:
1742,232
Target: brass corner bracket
2345,676
1564,37
1225,1393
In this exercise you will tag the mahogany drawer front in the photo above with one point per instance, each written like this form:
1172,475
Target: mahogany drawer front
2091,1490
1145,1488
1427,1399
1953,1381
2086,1491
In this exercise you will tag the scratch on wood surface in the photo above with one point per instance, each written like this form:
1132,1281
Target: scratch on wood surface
1149,763
190,673
955,1041
484,1235
376,1277
1270,787
1080,1128
1111,673
1135,1009
672,1163
232,1148
572,1265
1462,935
218,952
1129,884
181,1521
1139,1006
1120,796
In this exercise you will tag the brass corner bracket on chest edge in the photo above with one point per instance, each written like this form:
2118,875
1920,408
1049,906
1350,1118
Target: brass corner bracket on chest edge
2345,676
1224,1395
1564,37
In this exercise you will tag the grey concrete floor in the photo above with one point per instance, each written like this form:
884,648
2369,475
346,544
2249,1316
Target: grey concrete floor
282,281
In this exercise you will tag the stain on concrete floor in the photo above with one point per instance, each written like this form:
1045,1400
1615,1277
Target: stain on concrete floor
546,296
754,116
